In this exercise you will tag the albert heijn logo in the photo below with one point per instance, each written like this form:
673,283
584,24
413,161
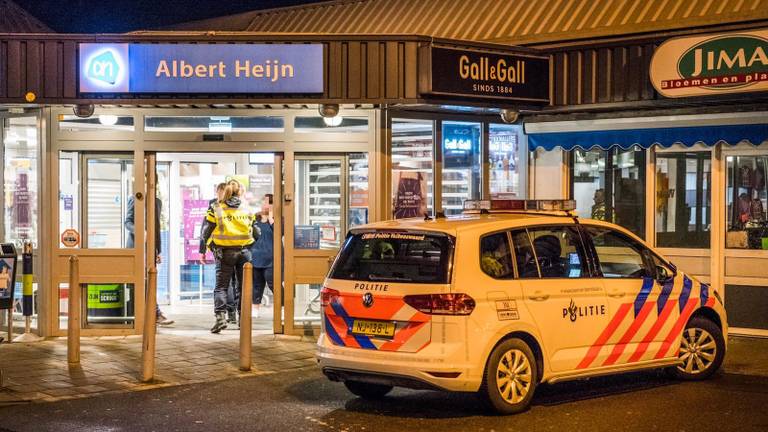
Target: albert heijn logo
103,68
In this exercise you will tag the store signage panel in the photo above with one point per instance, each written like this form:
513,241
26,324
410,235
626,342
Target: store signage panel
485,75
201,68
712,64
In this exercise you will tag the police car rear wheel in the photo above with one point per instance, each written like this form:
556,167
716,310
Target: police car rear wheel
367,390
510,377
702,349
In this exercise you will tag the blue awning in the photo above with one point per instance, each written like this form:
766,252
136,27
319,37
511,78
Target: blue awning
645,138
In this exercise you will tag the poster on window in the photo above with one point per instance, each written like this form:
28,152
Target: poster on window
194,214
410,197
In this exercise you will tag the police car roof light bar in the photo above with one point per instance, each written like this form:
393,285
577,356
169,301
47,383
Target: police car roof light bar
519,205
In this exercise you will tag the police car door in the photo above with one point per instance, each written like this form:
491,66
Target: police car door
567,304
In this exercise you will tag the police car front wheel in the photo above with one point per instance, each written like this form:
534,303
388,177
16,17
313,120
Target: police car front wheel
702,349
510,377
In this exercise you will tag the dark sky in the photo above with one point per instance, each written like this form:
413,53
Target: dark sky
119,16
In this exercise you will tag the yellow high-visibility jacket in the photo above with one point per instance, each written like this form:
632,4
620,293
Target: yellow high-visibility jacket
230,224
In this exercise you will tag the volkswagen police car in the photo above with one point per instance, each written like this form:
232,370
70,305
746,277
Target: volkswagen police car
510,294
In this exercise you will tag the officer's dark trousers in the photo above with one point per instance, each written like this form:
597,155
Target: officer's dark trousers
231,262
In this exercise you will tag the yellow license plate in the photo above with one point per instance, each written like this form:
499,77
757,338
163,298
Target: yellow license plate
373,328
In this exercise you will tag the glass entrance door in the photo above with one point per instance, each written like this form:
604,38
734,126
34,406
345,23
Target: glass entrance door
330,195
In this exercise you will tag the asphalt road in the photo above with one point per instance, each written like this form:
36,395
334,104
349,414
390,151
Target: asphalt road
305,401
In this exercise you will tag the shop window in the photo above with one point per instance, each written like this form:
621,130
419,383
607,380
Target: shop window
461,165
495,256
213,124
20,176
338,124
318,205
105,305
110,209
96,123
504,158
609,185
69,192
683,199
412,168
306,304
747,201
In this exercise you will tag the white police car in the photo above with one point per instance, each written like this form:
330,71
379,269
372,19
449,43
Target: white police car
504,297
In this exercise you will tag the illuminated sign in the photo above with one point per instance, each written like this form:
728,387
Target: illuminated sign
711,64
515,77
201,68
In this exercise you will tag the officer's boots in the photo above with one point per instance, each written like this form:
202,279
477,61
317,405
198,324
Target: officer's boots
221,323
231,317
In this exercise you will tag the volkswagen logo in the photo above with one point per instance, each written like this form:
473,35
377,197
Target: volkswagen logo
367,300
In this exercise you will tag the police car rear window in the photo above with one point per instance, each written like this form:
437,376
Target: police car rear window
405,257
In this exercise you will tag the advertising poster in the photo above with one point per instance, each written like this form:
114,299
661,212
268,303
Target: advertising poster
306,237
194,214
6,280
410,195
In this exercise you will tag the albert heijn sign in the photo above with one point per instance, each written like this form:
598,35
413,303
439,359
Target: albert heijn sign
712,64
508,76
201,68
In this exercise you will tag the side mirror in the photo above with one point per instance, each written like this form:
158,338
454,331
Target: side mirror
663,274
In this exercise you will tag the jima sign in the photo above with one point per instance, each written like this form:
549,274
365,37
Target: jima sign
712,64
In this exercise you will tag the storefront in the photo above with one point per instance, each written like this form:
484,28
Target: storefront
341,130
681,164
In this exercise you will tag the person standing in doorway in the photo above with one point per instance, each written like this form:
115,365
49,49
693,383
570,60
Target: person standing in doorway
231,306
231,226
262,252
130,227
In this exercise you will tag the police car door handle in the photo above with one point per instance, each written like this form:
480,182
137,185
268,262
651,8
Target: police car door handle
616,294
540,297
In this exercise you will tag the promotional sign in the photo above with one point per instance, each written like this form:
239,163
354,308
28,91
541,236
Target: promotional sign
201,68
518,77
410,195
306,237
7,274
194,212
711,65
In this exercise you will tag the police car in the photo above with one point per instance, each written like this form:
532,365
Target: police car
508,295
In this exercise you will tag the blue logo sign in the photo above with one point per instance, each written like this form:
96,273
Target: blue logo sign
201,68
104,67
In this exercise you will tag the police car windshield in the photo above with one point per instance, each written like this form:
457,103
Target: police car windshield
385,256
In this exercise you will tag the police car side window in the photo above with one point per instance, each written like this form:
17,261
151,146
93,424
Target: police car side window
525,260
495,256
559,252
619,255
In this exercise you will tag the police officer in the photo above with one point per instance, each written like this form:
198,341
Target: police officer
232,228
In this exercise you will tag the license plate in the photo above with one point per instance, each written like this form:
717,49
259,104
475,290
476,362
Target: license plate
373,328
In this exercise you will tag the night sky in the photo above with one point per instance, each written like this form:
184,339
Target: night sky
119,16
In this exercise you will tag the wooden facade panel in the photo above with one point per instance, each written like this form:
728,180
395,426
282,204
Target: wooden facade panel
373,77
334,70
635,73
411,80
3,69
618,73
69,66
560,81
52,69
16,78
34,67
354,72
575,83
588,93
603,75
393,66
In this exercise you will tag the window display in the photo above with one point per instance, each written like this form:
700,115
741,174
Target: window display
412,160
683,199
609,185
746,200
461,165
504,159
21,146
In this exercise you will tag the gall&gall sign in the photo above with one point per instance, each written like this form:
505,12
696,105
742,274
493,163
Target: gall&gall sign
712,64
521,78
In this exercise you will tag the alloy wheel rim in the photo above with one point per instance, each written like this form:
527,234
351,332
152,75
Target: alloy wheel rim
513,376
697,351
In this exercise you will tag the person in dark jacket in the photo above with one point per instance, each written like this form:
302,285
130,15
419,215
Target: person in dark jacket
130,218
262,253
232,228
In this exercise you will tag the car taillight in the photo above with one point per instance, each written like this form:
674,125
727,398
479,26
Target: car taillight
441,304
327,295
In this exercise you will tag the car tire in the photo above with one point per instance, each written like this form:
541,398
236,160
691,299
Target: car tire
510,377
702,349
367,390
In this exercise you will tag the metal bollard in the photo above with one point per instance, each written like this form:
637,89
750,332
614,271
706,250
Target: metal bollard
150,329
246,301
9,312
74,310
27,295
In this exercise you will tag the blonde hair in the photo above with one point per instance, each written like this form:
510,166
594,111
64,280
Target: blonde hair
232,189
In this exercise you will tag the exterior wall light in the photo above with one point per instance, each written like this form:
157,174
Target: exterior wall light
332,121
509,116
108,119
328,110
84,110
